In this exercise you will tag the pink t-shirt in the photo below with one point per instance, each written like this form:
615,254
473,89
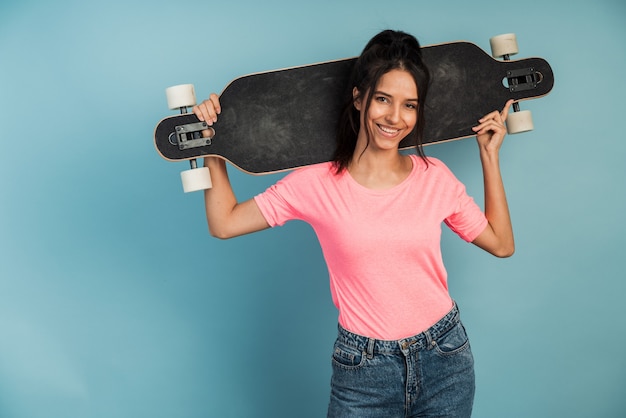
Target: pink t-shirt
382,247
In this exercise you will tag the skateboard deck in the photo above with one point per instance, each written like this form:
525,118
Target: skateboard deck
284,119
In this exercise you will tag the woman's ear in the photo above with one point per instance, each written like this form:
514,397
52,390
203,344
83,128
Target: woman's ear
356,99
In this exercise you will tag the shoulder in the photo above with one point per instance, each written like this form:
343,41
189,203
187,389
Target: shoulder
316,172
306,181
432,167
297,194
437,176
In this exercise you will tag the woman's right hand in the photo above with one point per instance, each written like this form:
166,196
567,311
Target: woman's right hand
226,217
208,110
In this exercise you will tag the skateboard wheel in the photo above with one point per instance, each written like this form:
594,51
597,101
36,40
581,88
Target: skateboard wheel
502,45
183,95
518,122
196,179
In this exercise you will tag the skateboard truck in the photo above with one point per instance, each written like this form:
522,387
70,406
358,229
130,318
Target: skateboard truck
189,136
524,79
503,46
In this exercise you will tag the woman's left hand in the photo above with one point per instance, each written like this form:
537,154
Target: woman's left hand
491,130
497,238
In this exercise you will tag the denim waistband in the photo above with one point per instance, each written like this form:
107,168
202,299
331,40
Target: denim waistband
422,340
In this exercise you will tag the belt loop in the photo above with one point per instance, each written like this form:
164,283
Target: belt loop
370,348
430,343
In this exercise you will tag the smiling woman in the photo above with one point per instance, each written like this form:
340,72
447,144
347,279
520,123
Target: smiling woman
392,312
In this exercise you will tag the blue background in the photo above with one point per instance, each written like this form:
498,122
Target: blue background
114,300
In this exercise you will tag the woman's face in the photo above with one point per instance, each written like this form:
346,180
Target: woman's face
392,113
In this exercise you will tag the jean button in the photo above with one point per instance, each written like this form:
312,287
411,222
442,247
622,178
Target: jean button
405,345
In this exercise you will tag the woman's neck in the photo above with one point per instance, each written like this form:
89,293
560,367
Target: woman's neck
381,170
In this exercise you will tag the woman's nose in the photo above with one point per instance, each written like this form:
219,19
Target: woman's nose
393,114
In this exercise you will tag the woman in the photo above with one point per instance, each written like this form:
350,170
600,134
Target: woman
401,348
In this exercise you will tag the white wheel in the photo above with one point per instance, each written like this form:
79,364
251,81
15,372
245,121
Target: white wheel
183,95
518,122
502,45
196,179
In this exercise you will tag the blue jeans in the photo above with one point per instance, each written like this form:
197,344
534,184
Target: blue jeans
428,375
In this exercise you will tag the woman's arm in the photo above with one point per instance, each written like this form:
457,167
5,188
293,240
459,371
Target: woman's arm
497,238
226,217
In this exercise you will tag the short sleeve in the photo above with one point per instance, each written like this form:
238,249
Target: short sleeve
468,221
292,197
274,204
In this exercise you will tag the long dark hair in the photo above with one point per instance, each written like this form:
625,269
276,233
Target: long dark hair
388,50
